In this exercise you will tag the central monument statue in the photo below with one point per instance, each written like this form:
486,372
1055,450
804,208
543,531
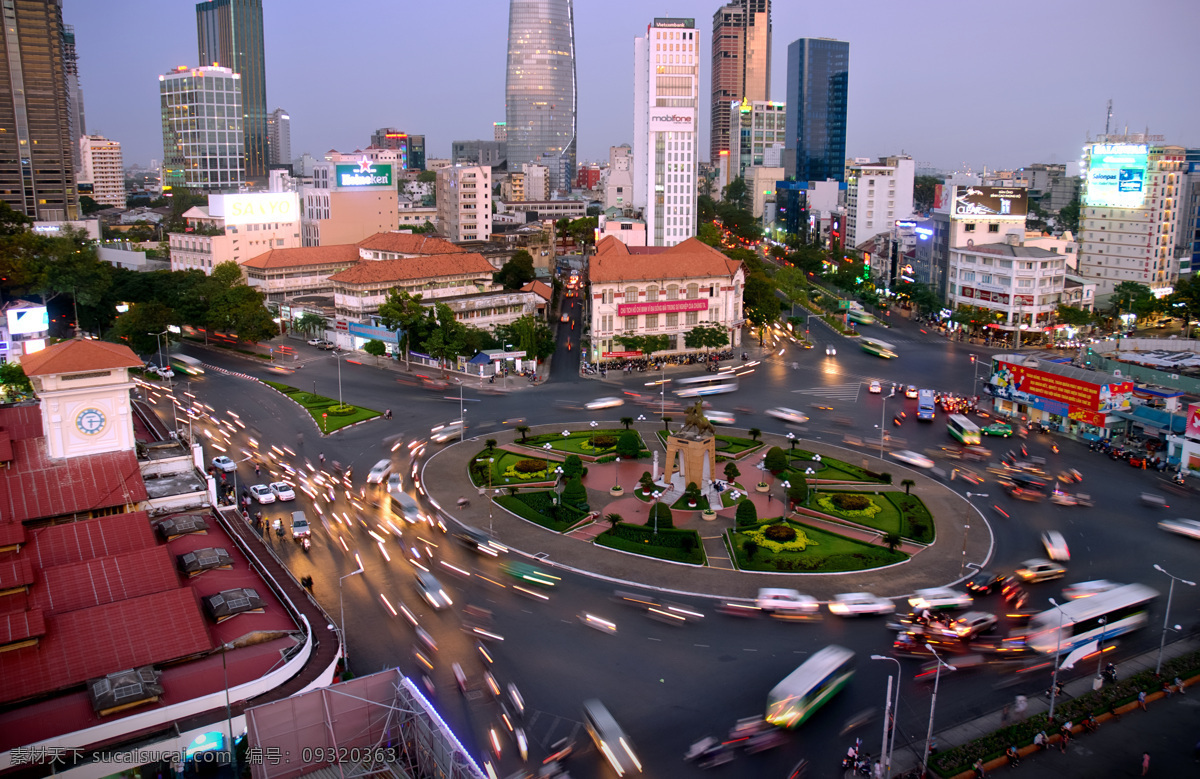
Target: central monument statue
692,453
694,419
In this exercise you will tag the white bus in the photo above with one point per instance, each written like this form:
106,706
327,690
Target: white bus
699,386
1100,617
810,686
964,430
609,738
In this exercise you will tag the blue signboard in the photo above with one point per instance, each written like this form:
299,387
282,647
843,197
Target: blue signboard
372,332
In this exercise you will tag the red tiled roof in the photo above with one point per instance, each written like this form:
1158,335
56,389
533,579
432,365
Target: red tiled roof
89,583
302,256
84,644
36,486
540,288
18,626
22,422
408,268
11,533
691,259
89,538
78,356
408,243
6,452
15,572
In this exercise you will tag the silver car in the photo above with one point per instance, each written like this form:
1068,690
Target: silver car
1184,527
854,604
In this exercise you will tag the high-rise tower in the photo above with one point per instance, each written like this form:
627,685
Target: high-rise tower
279,137
741,63
37,150
74,93
818,71
229,33
539,90
209,159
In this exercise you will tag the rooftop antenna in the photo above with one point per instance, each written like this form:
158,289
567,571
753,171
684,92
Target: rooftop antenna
1108,117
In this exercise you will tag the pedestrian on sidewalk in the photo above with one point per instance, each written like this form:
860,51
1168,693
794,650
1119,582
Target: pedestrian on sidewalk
1004,716
979,772
1179,686
1040,740
1065,733
1142,700
1145,763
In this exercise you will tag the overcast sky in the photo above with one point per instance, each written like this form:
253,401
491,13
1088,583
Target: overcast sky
951,83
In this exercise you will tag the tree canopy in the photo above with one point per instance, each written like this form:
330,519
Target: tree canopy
517,272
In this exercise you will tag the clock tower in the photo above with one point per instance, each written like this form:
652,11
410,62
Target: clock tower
84,388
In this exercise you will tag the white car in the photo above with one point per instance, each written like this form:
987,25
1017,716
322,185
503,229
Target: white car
854,604
830,351
910,391
379,472
432,591
443,433
940,598
1056,546
787,415
875,388
972,624
1037,570
915,459
394,482
780,601
609,402
262,493
1088,589
300,526
282,490
165,372
1184,527
223,463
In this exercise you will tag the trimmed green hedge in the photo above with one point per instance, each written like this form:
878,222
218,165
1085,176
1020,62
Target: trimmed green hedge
830,467
667,544
538,507
823,551
915,520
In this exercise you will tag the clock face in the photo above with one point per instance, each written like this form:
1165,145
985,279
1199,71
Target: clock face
90,421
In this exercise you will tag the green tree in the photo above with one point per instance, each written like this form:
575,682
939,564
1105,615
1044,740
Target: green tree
709,233
737,194
529,334
14,381
1070,315
447,337
13,222
922,296
490,444
309,323
798,492
924,188
660,516
891,540
575,494
404,312
524,431
731,471
667,423
572,466
750,547
776,460
1068,215
754,433
89,206
629,444
517,272
1186,299
646,482
907,484
759,302
136,328
746,513
613,519
375,347
627,421
1129,296
706,337
427,177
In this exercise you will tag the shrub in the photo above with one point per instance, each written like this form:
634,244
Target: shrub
847,502
776,460
572,466
782,533
798,543
646,482
574,494
750,547
799,489
340,411
629,444
530,465
662,512
731,471
746,514
672,538
603,441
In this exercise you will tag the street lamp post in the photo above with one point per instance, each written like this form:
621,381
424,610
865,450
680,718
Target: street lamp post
932,705
338,357
617,474
786,485
654,510
1100,651
1167,616
966,529
491,461
1057,656
889,730
882,418
342,610
228,709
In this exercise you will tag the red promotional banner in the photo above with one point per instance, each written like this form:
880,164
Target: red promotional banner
1193,419
1086,401
606,355
667,307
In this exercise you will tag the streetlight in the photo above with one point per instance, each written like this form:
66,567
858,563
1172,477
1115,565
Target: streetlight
1100,653
787,485
654,510
342,610
491,461
1167,616
932,704
1057,655
889,744
966,529
616,474
882,417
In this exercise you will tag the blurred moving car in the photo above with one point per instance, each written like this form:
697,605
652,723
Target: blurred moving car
783,601
1039,570
1088,589
223,463
997,429
163,372
854,604
1056,546
972,624
787,415
599,403
1184,527
443,433
432,590
874,388
262,493
915,459
379,472
283,490
830,351
984,583
720,417
300,526
939,598
529,573
565,318
910,391
479,541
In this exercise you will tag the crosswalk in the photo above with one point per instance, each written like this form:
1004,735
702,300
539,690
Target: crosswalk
847,392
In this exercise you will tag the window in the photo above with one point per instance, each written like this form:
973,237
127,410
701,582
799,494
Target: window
970,228
691,317
985,278
672,320
673,292
651,321
631,295
693,291
993,228
651,294
631,323
606,297
1025,283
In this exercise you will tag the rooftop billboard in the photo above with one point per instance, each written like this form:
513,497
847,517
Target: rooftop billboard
1116,176
974,202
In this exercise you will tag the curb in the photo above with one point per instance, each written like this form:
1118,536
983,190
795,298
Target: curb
306,412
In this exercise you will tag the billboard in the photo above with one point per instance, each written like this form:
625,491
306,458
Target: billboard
663,120
256,207
1084,400
28,320
667,307
1193,420
973,202
364,173
1116,175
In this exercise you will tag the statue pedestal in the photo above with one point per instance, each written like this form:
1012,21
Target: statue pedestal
690,458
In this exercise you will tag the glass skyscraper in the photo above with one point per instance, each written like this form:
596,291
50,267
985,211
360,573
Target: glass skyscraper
229,33
539,90
202,129
817,75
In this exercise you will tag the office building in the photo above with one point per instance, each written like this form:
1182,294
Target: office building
229,33
1188,244
618,189
352,196
741,64
756,131
411,147
1019,285
37,148
103,169
500,132
1131,213
666,76
464,202
279,138
74,93
235,227
194,157
480,152
537,182
817,76
540,91
877,194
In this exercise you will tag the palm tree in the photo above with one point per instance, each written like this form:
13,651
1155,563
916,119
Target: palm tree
907,484
309,323
667,423
523,430
490,444
891,540
755,433
627,421
613,518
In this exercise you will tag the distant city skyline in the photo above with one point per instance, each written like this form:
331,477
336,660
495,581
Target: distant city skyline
955,85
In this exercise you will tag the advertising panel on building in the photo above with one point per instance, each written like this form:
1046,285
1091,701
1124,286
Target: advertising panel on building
1193,420
364,173
664,120
26,321
667,307
1116,176
672,22
972,202
1060,395
256,207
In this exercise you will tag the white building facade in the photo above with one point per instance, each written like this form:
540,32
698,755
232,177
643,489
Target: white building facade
877,194
236,227
1023,283
666,78
618,185
103,169
464,202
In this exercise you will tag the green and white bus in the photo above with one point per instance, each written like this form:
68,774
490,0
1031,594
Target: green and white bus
810,686
964,430
181,363
860,317
878,348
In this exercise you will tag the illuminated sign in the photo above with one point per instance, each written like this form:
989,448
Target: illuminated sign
25,321
972,202
685,23
906,224
924,232
396,135
364,173
1084,401
256,208
669,307
677,119
1116,176
1193,420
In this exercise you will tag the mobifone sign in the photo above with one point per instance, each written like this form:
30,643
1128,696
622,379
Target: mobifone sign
665,120
364,173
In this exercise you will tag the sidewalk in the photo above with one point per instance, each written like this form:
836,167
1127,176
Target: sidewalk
1168,730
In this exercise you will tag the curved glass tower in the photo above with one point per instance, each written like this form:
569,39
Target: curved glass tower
539,91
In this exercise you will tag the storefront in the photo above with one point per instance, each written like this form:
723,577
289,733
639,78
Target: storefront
1065,398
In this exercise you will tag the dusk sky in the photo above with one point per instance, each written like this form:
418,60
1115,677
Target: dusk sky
951,83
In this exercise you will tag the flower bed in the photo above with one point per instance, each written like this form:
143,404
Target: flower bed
581,441
830,467
915,520
822,550
505,469
318,406
539,507
891,512
853,505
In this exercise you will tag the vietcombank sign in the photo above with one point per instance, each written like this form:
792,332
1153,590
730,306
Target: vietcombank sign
364,174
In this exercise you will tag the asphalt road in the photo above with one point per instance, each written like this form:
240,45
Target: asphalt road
667,685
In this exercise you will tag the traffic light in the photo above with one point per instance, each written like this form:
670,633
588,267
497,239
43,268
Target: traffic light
972,358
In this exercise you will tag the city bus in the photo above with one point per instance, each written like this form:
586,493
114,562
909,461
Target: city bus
1100,617
184,364
609,738
926,406
810,686
860,317
878,348
964,430
698,386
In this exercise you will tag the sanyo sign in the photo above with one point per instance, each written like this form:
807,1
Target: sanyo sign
255,208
